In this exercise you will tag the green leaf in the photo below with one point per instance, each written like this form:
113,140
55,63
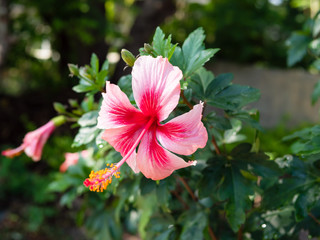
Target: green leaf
165,235
102,78
316,25
200,81
74,70
83,88
316,93
163,195
192,55
258,163
59,107
147,185
211,177
234,97
85,136
236,189
314,47
125,84
94,63
105,65
194,221
88,119
218,84
162,46
282,194
217,122
248,118
298,44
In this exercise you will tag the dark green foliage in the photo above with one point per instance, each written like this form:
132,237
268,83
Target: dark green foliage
234,191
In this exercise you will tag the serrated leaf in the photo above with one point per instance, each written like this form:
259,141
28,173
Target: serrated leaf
192,55
162,46
200,81
218,84
211,177
234,97
218,122
199,60
102,78
236,189
281,194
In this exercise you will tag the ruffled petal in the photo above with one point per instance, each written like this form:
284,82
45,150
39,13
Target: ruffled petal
156,86
122,139
185,133
116,110
154,161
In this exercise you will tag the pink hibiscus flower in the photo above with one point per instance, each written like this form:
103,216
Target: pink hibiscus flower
33,142
156,89
72,159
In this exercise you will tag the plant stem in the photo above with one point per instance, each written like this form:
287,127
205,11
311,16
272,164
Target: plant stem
314,218
211,233
180,199
240,233
185,184
185,100
215,145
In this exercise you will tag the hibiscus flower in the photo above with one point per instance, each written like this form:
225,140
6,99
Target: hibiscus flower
34,141
156,90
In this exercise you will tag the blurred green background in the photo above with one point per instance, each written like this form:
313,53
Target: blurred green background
38,38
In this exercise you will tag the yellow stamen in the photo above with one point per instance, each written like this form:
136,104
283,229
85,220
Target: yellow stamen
99,181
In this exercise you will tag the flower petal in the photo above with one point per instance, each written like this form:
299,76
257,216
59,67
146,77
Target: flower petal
185,133
35,140
116,110
122,139
156,86
154,161
13,152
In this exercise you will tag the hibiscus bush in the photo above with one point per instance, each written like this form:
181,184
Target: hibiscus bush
162,155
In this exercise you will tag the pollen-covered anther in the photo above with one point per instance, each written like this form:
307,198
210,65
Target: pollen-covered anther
99,181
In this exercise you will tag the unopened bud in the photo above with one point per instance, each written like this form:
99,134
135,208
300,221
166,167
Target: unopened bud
128,57
148,48
74,70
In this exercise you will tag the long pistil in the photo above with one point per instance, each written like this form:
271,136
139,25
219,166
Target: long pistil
99,181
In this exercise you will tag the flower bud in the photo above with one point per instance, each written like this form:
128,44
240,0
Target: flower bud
148,48
74,70
128,57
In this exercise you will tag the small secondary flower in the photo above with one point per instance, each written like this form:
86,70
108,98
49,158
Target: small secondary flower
72,159
34,141
156,90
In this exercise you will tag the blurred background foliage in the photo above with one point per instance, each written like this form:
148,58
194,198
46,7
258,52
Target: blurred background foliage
39,38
